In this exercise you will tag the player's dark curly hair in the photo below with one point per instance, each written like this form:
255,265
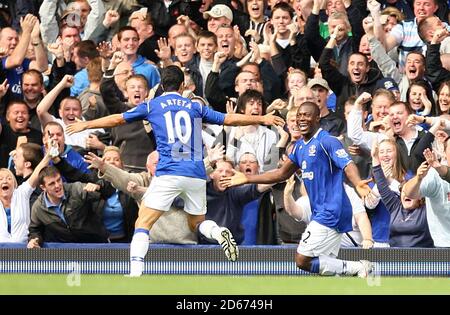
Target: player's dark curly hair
171,79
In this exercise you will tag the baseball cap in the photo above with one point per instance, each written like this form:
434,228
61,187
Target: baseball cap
219,10
388,84
71,16
318,81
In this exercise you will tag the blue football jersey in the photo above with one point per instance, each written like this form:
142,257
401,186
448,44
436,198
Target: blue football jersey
177,125
14,76
322,160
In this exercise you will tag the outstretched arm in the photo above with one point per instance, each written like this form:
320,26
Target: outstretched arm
275,176
104,122
245,120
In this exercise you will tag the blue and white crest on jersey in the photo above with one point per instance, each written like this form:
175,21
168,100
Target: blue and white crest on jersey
19,70
312,150
341,153
304,165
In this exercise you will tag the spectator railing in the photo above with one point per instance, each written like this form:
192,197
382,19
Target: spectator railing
209,260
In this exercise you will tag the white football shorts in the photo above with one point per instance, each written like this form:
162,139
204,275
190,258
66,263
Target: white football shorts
319,240
163,190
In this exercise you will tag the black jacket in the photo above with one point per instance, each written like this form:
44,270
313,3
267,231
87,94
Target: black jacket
289,230
147,48
131,138
218,87
413,160
334,124
192,67
297,56
435,72
163,18
129,206
341,85
316,44
81,211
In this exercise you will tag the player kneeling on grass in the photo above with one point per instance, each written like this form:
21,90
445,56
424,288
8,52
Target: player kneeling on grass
177,125
300,210
324,163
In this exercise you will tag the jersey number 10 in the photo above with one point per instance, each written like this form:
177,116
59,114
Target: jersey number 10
171,127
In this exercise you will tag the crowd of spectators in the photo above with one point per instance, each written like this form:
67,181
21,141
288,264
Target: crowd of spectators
379,72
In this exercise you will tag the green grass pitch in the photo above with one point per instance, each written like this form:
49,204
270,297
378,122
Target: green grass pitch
217,285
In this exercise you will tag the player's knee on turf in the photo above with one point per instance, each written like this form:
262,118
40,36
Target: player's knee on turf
303,262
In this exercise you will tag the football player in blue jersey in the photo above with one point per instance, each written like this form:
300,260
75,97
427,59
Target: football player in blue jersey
177,125
323,162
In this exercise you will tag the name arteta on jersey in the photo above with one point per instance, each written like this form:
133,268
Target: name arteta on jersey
176,102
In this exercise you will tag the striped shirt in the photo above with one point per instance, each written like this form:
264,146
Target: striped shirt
407,37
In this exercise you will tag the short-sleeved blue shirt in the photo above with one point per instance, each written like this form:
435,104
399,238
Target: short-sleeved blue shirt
177,125
14,76
322,160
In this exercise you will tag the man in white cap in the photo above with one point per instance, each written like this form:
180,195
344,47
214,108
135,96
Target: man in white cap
329,120
218,15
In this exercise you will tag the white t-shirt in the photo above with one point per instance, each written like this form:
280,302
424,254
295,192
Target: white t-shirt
77,139
20,216
283,42
259,143
437,193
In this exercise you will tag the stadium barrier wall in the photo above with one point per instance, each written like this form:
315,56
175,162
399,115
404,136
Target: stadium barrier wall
209,260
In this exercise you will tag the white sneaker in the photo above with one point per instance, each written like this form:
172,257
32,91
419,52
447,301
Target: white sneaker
228,244
136,267
133,275
367,269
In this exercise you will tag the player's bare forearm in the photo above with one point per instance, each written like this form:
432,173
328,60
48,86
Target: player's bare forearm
106,122
242,120
274,176
352,173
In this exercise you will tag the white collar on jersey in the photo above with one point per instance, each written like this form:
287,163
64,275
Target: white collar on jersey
315,136
168,93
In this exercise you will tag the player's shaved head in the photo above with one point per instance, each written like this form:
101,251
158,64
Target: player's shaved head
308,119
172,78
314,106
